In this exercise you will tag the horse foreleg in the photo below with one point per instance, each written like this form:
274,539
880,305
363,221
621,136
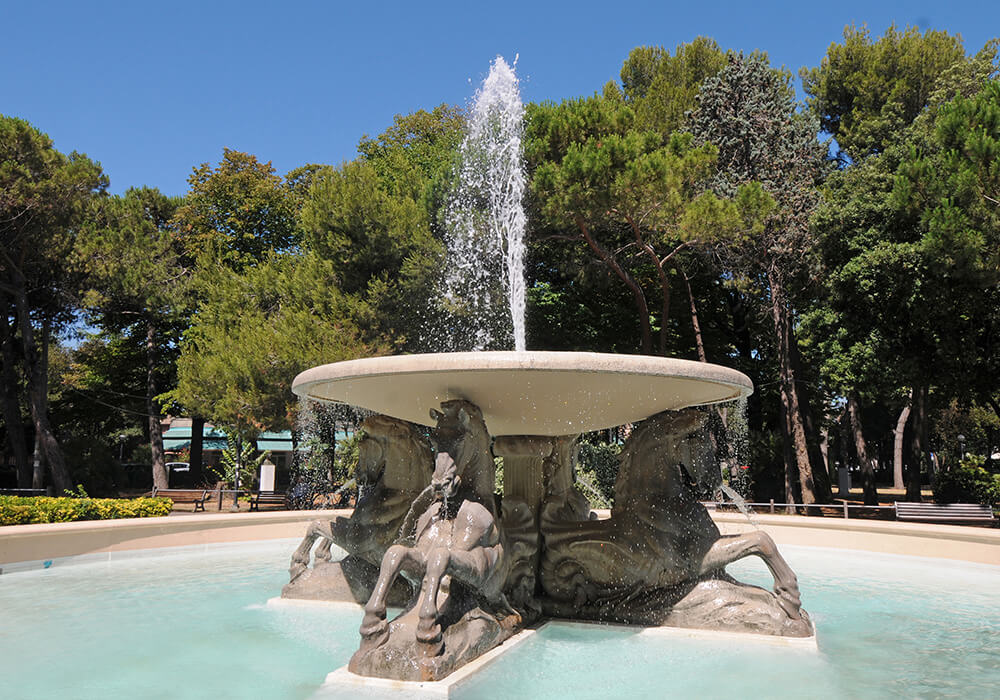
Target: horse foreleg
374,629
428,628
730,548
300,557
323,553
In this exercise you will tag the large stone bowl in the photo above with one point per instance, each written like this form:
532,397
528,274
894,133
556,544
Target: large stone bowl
525,393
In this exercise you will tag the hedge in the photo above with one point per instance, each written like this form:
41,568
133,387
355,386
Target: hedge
18,510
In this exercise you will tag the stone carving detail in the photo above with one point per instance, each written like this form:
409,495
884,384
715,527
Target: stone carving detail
469,577
395,463
454,536
660,559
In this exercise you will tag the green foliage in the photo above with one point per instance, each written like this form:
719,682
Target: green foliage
865,91
662,88
235,214
968,482
16,510
374,219
237,462
598,466
257,330
910,238
345,461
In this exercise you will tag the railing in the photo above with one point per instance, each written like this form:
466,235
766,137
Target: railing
811,508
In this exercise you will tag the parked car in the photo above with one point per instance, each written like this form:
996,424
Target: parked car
178,467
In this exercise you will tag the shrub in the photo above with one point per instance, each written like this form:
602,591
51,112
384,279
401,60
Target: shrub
17,510
968,482
598,467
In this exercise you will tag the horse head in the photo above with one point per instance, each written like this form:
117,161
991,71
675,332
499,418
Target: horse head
460,433
668,454
395,452
446,478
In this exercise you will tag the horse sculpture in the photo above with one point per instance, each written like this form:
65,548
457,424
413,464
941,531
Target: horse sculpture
450,531
660,558
395,463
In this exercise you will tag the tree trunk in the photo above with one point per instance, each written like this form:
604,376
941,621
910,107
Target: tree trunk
861,448
698,340
36,374
917,446
38,467
789,459
744,346
661,274
197,457
637,294
897,445
161,479
16,436
821,476
794,423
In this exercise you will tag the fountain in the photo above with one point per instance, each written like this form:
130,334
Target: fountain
469,570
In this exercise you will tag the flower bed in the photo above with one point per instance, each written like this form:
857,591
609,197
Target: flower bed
18,510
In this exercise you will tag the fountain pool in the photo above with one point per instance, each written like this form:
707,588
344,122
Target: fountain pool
194,623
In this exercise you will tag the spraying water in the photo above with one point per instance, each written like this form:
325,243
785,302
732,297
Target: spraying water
737,435
483,287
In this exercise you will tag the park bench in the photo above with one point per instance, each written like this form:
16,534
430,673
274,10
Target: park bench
945,513
23,492
274,498
196,496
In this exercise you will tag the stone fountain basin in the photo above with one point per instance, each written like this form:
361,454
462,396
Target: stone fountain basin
525,393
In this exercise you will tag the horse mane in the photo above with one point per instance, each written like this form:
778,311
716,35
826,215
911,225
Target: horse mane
634,463
476,453
406,451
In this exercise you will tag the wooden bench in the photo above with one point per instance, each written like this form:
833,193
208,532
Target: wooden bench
945,513
273,498
24,493
197,496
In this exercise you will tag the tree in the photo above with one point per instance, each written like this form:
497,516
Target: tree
609,172
865,91
663,88
374,219
138,288
770,150
254,332
43,198
234,214
910,237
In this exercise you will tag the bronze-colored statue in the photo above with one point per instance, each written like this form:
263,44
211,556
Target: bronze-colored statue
658,560
395,463
455,535
660,546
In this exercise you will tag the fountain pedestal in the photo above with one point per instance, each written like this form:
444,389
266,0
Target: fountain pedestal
659,559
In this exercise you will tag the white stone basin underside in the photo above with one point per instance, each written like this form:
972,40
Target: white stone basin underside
525,393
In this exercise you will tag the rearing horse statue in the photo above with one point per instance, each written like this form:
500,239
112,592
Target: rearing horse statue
660,544
450,531
394,460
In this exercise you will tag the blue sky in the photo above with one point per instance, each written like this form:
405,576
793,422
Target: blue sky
153,89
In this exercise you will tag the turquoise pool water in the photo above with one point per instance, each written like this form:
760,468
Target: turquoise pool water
194,624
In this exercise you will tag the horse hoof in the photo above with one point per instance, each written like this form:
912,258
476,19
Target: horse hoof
790,602
429,649
296,570
428,633
373,625
374,634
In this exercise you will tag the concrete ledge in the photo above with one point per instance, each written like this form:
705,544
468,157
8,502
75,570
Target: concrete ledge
342,679
23,543
973,544
34,543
